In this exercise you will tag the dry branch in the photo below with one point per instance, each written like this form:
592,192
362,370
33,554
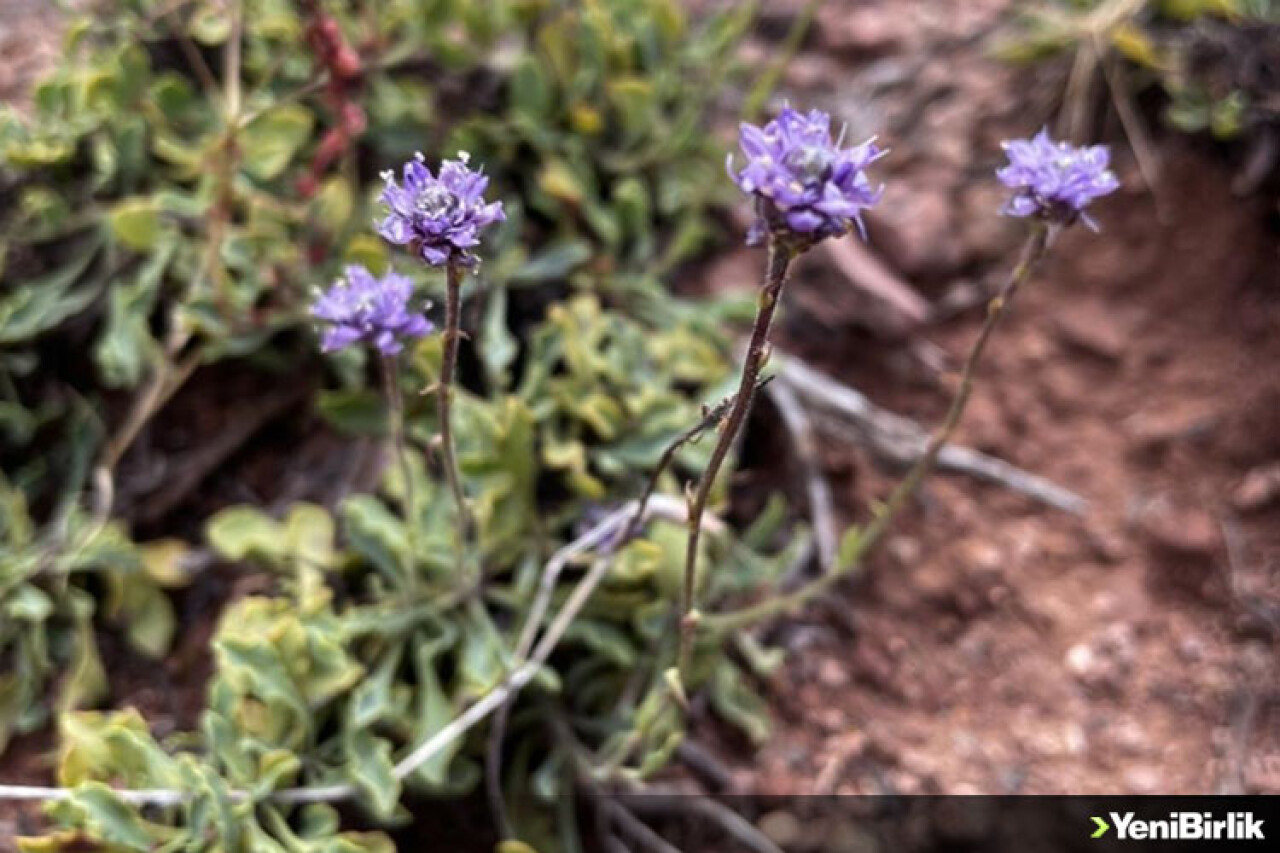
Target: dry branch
900,441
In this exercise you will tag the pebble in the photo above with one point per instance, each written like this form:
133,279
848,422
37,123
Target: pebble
1088,326
832,673
1143,780
1259,488
1180,531
782,828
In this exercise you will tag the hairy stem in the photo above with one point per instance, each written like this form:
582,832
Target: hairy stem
710,418
1034,249
452,334
779,260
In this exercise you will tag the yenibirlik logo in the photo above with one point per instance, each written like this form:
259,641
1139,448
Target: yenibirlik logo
1183,826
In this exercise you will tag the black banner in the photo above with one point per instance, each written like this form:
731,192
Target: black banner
955,824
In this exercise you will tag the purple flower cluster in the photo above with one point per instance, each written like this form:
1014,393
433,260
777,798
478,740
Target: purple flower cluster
1055,180
807,187
361,308
440,217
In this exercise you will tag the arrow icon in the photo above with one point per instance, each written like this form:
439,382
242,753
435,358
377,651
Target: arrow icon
1103,826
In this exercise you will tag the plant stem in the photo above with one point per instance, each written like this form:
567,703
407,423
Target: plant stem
710,418
1034,249
776,275
395,413
452,334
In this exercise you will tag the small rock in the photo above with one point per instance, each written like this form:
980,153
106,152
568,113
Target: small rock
1104,663
1075,739
1160,428
904,550
1192,648
1063,384
1143,780
1180,531
903,782
782,828
1080,660
1092,327
832,673
1130,738
1259,488
934,581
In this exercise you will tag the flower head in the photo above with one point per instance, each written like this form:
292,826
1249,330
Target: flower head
360,308
440,216
806,187
1055,180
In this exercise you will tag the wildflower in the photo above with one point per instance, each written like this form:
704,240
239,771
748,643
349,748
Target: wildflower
806,187
1055,180
361,308
439,216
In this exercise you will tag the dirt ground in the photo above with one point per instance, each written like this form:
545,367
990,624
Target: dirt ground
994,645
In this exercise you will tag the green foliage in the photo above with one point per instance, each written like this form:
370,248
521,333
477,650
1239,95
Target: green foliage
176,188
54,579
312,689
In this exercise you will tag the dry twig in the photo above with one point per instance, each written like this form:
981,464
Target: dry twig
804,440
900,441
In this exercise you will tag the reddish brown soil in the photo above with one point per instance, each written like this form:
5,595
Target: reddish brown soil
999,646
994,645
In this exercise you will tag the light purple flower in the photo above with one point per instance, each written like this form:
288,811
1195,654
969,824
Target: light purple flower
441,217
362,309
807,187
1055,180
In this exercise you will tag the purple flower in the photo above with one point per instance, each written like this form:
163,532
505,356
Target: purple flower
440,217
361,308
1055,180
807,187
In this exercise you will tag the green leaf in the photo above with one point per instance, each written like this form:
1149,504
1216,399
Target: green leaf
373,772
434,710
86,679
371,701
271,142
126,347
355,411
850,547
145,612
43,303
376,534
604,640
554,263
109,817
498,347
135,222
739,705
241,532
164,559
309,532
1136,46
210,25
558,180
